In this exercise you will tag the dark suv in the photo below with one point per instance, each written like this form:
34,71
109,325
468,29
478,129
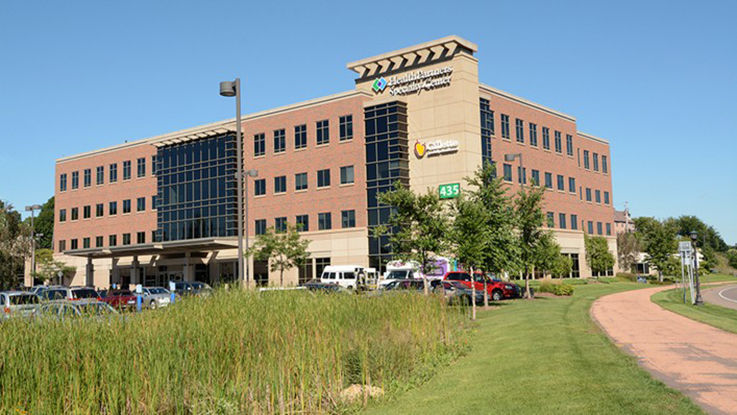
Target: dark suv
497,289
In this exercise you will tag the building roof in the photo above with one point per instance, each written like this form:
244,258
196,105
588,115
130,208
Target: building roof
620,216
507,95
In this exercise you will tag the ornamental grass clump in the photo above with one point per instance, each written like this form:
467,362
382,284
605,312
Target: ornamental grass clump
235,352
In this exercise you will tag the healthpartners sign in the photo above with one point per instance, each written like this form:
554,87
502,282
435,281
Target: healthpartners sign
414,82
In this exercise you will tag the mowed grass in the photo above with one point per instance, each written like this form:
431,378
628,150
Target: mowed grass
544,356
720,317
236,352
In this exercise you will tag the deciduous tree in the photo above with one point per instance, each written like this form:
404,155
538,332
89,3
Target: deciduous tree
469,240
284,250
597,254
534,240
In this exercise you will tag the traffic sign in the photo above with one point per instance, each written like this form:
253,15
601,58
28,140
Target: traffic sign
449,191
685,247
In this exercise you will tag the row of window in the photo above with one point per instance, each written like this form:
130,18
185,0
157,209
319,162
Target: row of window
595,160
560,183
487,126
597,195
99,241
601,228
322,136
324,222
100,209
100,174
301,183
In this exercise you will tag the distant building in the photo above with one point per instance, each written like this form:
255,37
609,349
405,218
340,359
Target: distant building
623,221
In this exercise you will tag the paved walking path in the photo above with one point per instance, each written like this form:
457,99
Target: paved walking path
697,359
725,296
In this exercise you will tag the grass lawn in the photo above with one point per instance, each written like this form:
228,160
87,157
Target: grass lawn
542,356
713,315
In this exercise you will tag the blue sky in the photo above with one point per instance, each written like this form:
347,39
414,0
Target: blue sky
658,79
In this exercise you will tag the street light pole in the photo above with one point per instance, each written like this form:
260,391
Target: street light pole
33,208
698,300
247,174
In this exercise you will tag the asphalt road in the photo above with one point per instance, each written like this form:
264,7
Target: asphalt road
724,295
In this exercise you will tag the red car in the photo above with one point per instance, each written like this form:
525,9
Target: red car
497,289
120,299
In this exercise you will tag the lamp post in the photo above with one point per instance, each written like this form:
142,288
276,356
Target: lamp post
230,89
510,158
694,238
246,174
31,209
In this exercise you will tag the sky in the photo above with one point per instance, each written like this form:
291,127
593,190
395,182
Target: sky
657,79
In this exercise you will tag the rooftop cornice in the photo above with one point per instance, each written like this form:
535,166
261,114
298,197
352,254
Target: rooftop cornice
413,55
507,95
592,137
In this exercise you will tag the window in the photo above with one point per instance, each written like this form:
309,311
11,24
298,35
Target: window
562,220
126,239
153,203
112,240
98,241
141,237
569,145
300,136
141,167
112,208
260,226
280,141
153,170
63,182
597,193
127,170
546,138
259,187
536,177
87,177
280,224
586,159
259,144
604,166
558,143
303,223
62,246
533,134
100,177
507,172
549,180
127,206
324,221
550,219
75,180
62,215
608,229
574,222
323,178
521,175
348,218
99,210
113,172
87,212
85,243
606,198
280,184
505,126
588,194
591,227
572,184
487,118
346,175
520,130
346,127
561,182
75,213
74,244
596,162
300,181
323,132
140,204
598,228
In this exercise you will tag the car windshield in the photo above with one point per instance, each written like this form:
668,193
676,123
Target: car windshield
158,291
84,293
397,275
54,294
121,292
23,299
95,309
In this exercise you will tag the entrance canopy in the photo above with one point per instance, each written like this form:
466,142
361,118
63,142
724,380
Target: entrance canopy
170,247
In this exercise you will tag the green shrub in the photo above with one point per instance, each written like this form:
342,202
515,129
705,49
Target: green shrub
627,276
546,286
563,289
557,288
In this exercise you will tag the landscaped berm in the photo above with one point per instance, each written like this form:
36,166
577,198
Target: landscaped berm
235,352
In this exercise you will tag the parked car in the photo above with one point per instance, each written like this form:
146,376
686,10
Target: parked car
458,293
405,285
63,309
120,299
155,297
497,290
18,303
51,293
348,276
196,288
317,285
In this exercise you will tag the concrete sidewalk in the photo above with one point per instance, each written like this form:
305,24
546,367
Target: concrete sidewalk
697,359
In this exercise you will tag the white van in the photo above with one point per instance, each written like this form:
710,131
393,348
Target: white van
399,270
348,276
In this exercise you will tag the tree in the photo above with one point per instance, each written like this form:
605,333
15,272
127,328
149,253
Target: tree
14,246
562,266
417,226
551,260
284,250
659,242
44,224
47,268
597,254
628,248
732,257
469,240
533,240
